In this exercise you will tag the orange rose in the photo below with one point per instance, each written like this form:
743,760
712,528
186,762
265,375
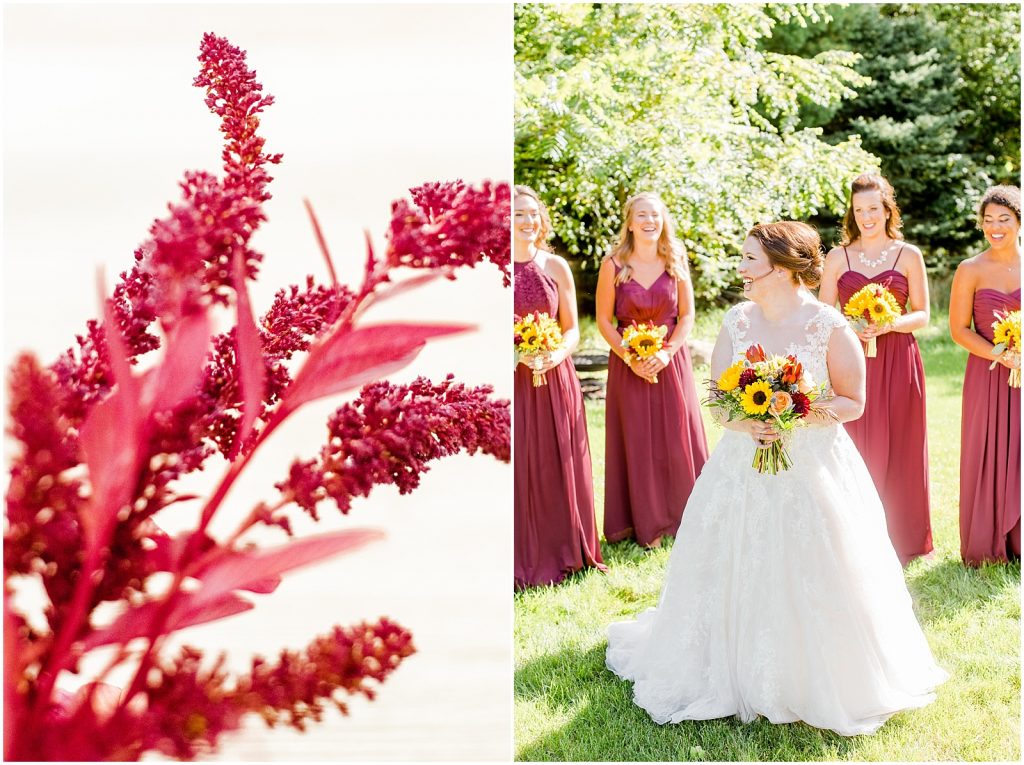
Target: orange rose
781,401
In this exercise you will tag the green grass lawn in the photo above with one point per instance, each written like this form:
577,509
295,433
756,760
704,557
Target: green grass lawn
568,707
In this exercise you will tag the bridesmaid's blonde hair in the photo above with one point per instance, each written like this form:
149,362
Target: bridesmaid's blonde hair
670,249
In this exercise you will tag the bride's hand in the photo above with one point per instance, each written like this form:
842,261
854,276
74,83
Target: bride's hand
763,433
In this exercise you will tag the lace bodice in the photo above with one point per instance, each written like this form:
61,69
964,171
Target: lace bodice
811,350
534,290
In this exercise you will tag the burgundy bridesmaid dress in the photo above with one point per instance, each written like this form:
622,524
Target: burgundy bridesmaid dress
989,447
655,445
891,435
555,529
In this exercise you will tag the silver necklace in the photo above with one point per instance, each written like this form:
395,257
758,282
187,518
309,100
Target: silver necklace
883,256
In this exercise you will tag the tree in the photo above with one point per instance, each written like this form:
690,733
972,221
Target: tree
942,111
680,99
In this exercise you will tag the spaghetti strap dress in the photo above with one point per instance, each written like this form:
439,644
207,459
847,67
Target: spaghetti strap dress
555,529
655,445
891,435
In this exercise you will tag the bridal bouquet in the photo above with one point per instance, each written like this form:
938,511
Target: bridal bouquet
872,304
769,389
1007,338
536,333
642,341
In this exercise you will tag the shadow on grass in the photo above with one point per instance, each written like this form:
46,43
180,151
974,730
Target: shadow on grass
949,587
604,724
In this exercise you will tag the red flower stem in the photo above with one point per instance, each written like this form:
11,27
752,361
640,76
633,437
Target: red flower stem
195,539
234,470
250,521
77,612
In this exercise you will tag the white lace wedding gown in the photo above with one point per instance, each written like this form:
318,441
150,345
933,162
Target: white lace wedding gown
783,595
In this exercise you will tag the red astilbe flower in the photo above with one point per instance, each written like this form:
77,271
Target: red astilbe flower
452,224
103,447
390,433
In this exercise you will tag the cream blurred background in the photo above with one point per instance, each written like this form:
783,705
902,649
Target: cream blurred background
100,121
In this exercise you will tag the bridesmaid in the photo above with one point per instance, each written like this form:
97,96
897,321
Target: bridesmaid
990,424
890,435
555,530
654,439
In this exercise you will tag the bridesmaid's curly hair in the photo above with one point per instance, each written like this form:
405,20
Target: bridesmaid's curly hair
1007,196
893,222
794,246
545,220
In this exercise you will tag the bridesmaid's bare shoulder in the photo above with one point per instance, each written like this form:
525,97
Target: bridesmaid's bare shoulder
968,272
559,268
834,256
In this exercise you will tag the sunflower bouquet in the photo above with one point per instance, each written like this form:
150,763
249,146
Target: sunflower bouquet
536,333
642,341
1006,330
769,389
872,304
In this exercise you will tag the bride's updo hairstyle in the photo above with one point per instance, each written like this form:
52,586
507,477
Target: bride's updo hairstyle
794,246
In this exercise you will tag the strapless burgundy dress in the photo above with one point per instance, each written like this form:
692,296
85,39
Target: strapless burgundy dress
989,447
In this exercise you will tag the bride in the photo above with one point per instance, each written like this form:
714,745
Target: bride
783,595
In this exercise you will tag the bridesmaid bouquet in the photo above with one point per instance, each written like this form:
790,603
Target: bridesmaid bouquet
770,389
536,333
872,304
642,341
1007,336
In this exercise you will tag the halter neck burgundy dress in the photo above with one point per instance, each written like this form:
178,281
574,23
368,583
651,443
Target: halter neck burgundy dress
655,444
989,446
555,529
891,435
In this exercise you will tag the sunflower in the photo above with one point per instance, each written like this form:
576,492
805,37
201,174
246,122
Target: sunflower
529,338
730,378
644,340
756,398
1007,330
881,311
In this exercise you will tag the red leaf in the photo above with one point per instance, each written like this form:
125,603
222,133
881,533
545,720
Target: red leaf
397,288
349,359
321,242
181,368
189,611
263,586
111,437
249,355
244,570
